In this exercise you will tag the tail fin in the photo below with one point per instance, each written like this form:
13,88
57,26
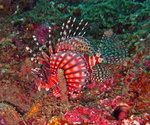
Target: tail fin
112,50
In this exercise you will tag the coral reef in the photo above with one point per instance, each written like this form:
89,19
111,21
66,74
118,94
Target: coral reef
8,114
121,97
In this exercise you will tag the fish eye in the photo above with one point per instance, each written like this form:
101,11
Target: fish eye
39,75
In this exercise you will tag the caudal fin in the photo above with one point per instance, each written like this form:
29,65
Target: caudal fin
112,50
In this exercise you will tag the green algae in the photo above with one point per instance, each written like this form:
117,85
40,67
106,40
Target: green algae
106,13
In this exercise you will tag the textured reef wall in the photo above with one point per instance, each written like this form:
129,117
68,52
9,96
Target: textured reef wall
122,98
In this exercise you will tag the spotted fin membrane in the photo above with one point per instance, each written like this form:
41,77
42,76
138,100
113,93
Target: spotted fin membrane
112,49
100,73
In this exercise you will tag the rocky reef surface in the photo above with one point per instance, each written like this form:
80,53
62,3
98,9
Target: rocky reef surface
123,98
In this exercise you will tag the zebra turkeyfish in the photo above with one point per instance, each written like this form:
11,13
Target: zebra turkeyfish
77,57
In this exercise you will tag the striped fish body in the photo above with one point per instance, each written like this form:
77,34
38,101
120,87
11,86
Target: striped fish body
75,68
75,55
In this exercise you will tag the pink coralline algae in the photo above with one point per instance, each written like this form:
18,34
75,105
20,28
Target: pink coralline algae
115,101
41,33
119,109
110,103
107,84
134,120
89,115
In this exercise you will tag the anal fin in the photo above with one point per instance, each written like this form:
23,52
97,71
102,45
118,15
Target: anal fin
99,73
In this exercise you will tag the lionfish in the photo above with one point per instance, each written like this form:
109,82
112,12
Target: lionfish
77,57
